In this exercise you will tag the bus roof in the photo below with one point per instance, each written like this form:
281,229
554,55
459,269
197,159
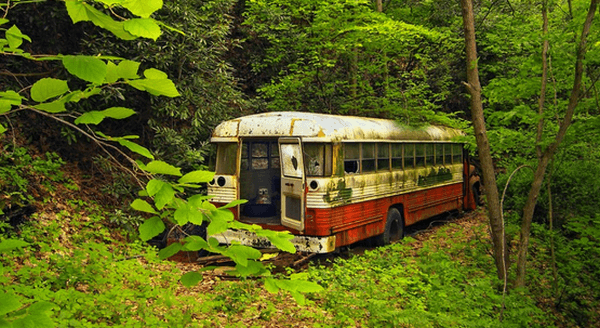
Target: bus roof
325,128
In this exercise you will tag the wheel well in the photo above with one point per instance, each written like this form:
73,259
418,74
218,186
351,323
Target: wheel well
400,209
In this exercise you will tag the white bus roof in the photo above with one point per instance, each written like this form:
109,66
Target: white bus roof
325,128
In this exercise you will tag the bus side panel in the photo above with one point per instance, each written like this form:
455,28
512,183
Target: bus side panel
354,222
427,203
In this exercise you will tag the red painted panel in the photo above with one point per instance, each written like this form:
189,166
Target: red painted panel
354,222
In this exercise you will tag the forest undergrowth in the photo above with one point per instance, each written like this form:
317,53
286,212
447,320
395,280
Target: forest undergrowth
83,266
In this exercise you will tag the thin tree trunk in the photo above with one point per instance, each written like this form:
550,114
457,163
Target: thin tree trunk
547,155
483,147
542,100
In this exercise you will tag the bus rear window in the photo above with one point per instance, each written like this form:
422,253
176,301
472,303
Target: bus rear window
226,158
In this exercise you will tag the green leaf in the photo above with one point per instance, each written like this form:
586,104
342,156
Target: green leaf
118,113
8,303
155,74
191,279
222,214
95,117
9,244
77,11
127,69
112,74
142,8
216,226
233,203
135,148
158,87
56,106
198,200
281,240
151,228
160,167
2,130
3,21
143,27
15,37
197,177
35,321
164,196
183,214
80,11
87,68
170,250
195,243
41,307
154,186
47,88
91,117
8,99
271,285
143,206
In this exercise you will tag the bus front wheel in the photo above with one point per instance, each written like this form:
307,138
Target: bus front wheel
394,228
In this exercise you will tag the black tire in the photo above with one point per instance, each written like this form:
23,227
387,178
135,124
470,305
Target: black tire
394,228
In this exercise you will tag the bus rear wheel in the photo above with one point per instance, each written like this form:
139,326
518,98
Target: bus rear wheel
394,228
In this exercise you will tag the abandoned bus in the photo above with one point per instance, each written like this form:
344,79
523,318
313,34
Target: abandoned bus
334,180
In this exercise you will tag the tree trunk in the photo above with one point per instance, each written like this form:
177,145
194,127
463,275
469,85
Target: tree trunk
483,147
547,155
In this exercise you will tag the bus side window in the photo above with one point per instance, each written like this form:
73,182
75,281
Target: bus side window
409,156
351,158
383,156
448,154
439,154
429,155
368,157
419,155
457,153
397,156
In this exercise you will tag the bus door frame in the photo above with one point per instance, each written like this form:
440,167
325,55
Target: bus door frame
293,183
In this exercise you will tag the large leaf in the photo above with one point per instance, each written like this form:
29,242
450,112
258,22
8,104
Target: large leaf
153,186
157,87
87,68
8,303
197,177
164,196
9,244
143,206
80,11
142,8
216,226
169,251
135,148
8,99
15,37
143,27
56,106
151,228
127,69
233,203
95,117
191,279
160,167
47,88
195,243
155,74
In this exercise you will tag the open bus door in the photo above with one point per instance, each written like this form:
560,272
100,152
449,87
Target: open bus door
292,183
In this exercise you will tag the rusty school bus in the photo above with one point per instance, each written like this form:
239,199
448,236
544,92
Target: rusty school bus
334,180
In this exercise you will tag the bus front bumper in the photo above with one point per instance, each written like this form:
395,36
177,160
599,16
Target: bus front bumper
302,243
